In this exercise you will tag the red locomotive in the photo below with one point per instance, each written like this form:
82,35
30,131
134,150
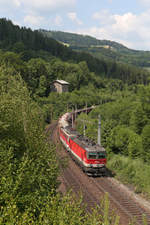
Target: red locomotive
90,156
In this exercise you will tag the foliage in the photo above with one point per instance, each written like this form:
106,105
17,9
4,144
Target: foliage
125,132
33,44
62,210
135,172
109,50
146,142
28,167
138,119
125,141
123,123
28,164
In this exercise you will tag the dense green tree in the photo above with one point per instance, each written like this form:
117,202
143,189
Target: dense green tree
144,94
28,167
13,60
32,44
41,90
72,72
84,75
36,69
19,47
58,69
124,141
146,142
138,119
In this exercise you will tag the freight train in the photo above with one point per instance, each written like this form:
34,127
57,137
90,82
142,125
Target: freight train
90,156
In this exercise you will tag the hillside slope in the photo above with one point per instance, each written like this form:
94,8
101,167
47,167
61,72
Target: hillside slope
33,44
101,48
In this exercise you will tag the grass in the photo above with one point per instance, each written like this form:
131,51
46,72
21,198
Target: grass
131,171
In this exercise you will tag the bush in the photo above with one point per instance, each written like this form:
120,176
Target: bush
135,172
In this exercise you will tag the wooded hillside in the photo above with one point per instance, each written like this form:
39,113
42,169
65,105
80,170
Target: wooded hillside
32,44
101,49
29,165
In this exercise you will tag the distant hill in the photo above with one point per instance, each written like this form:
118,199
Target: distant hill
101,48
33,44
83,40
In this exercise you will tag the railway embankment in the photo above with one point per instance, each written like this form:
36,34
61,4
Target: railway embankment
128,205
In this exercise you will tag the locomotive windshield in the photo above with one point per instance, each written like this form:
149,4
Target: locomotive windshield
101,155
96,155
92,155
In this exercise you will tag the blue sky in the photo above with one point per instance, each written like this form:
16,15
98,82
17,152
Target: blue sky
126,22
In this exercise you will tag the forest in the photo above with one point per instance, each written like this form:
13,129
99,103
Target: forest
101,49
29,165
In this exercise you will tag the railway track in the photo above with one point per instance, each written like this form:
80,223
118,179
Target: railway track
122,201
78,186
124,205
93,189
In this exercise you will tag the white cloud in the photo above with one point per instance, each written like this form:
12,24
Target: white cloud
125,23
58,20
73,16
33,20
129,29
43,13
145,1
7,4
37,6
104,17
47,5
17,3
